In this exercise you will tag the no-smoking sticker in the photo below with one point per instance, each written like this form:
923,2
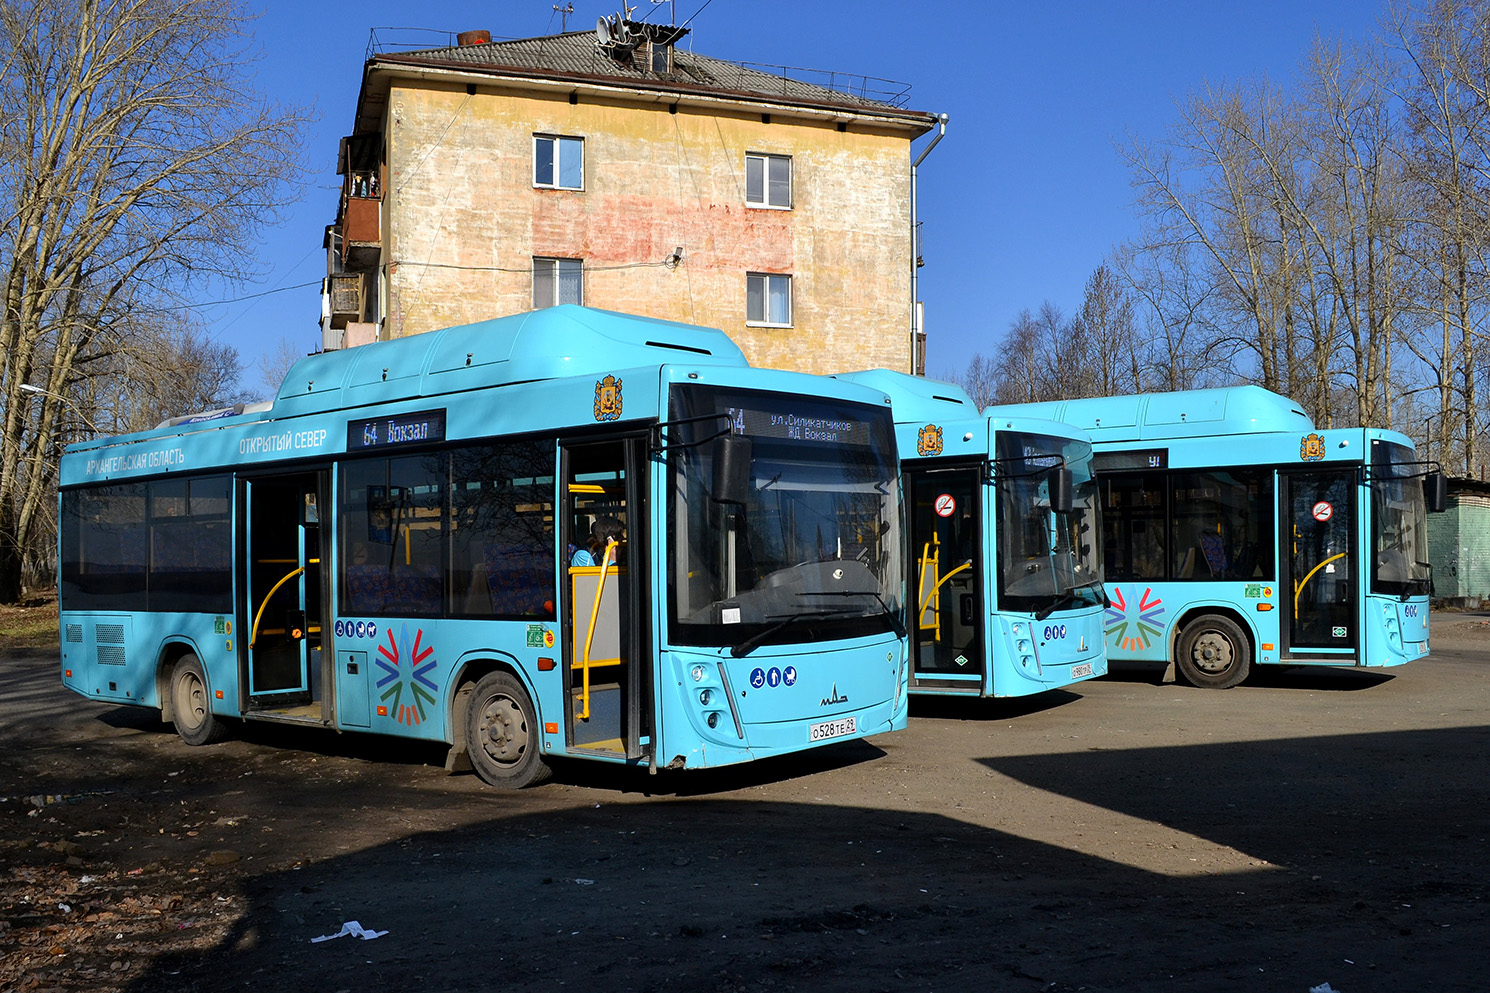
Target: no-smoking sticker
1323,511
945,505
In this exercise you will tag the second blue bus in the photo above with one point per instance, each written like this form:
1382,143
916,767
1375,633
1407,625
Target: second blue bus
1003,563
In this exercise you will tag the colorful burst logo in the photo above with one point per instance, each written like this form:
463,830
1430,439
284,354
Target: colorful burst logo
608,399
1311,447
1141,615
929,440
406,674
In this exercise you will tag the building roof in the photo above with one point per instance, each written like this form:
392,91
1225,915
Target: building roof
577,55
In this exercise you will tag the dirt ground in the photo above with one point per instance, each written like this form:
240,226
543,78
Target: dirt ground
1311,827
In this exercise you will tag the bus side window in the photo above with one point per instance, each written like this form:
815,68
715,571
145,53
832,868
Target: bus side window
502,530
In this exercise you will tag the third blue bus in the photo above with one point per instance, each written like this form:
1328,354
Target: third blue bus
1235,534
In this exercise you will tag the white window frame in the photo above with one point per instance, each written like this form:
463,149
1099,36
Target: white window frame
558,141
766,278
765,159
552,262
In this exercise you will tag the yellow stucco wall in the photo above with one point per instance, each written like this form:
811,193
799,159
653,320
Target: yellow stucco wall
463,220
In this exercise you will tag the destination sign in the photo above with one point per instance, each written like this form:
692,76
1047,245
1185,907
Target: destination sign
796,425
1150,458
396,430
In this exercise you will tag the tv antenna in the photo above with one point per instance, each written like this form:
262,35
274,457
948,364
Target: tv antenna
672,8
563,13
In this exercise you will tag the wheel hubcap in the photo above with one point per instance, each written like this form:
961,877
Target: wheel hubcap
504,733
191,697
1212,653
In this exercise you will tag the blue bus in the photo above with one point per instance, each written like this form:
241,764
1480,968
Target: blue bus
1236,534
563,533
1004,569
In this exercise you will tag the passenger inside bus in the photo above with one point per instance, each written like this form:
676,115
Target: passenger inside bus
605,530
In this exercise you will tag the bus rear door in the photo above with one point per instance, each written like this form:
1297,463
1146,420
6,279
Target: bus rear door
947,570
282,579
1319,556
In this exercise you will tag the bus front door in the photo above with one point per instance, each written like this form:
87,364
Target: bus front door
947,566
608,690
283,603
1320,608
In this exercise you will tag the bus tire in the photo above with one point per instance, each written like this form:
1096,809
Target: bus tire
502,733
1213,652
191,704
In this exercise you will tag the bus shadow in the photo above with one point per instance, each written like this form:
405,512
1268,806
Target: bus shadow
1123,671
956,708
1280,677
724,893
388,750
639,780
1302,677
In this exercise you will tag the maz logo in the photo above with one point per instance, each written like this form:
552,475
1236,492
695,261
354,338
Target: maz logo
829,701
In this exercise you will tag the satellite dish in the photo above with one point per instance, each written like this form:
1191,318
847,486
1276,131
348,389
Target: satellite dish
602,31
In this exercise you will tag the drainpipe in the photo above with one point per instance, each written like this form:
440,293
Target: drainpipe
915,277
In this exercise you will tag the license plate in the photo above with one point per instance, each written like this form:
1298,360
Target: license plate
832,729
1081,671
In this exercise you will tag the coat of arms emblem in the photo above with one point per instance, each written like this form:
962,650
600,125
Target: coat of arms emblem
1311,448
608,399
929,440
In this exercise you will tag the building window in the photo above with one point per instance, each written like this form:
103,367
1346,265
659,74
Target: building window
768,180
557,281
558,162
768,299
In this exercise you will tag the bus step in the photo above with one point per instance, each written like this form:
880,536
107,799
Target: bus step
603,728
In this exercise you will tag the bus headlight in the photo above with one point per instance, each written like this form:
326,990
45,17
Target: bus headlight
698,673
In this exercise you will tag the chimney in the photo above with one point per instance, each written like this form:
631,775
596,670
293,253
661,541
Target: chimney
467,38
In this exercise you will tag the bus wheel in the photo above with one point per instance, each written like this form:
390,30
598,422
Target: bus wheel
1213,652
502,733
191,705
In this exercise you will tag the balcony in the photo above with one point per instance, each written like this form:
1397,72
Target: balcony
362,208
345,291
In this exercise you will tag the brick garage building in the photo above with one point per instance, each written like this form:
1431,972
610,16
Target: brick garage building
490,178
1459,545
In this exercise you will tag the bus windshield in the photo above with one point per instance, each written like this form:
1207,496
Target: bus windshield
1399,512
783,517
1046,560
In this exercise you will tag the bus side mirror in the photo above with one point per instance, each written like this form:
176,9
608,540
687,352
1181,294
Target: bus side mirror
732,455
1062,490
1436,488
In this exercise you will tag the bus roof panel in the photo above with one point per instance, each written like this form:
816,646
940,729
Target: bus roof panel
1185,414
916,398
552,343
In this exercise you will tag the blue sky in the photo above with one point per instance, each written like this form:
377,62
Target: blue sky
1021,200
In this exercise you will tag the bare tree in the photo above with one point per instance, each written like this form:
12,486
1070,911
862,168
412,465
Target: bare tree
134,156
1441,86
136,397
275,364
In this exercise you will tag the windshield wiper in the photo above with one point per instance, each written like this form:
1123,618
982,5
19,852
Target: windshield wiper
895,624
753,642
1068,599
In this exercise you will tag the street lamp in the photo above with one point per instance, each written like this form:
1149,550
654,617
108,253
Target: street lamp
37,391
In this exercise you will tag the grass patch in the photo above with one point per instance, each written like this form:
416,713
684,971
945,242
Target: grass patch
30,625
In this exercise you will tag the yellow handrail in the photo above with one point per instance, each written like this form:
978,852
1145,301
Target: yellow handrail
929,595
932,598
1299,589
254,635
585,661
